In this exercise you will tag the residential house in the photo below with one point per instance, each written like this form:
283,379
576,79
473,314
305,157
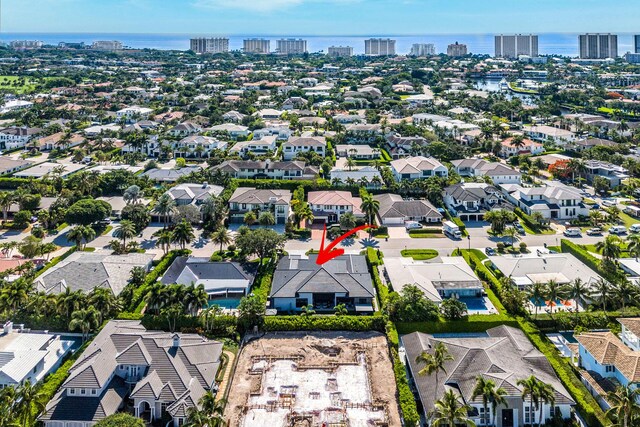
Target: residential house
29,356
267,169
609,360
233,116
235,131
58,141
509,149
368,177
225,282
526,269
162,374
498,172
329,206
297,145
504,355
394,210
170,175
85,271
554,201
17,137
247,199
255,146
357,133
197,146
294,103
543,133
9,165
280,130
471,200
418,167
133,114
613,174
193,194
185,129
358,152
299,282
402,146
450,277
587,143
269,113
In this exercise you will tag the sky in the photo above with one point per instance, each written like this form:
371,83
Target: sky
320,17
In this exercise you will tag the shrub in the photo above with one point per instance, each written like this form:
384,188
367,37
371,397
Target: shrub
406,399
324,323
523,247
500,246
453,309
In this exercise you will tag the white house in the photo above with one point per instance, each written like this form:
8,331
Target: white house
554,201
508,148
543,133
498,172
17,137
295,146
247,199
133,113
197,146
418,167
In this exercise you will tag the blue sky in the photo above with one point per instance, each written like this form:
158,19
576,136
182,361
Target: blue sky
320,17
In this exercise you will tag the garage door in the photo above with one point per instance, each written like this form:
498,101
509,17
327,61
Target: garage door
393,221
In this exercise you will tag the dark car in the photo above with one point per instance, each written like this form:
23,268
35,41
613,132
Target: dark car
490,251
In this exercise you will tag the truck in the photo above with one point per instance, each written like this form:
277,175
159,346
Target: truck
451,229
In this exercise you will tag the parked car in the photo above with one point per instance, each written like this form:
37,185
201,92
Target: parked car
635,228
412,225
609,202
490,251
617,229
595,231
519,227
573,232
596,206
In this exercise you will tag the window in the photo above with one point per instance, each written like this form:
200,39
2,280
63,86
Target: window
72,391
301,302
94,391
527,415
610,368
83,391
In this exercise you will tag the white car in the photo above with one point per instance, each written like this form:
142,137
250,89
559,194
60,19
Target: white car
609,202
635,228
572,232
617,229
412,225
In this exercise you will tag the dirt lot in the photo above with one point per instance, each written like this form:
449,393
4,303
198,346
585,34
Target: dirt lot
311,354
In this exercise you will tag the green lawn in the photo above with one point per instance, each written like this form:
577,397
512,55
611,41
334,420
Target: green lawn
420,254
18,84
623,247
628,219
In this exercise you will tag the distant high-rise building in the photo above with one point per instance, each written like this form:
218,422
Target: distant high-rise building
423,49
456,50
210,45
598,46
379,47
71,45
257,46
291,46
636,43
632,58
338,51
512,46
106,45
26,44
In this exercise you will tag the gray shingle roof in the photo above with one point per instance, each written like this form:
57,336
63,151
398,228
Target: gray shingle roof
394,206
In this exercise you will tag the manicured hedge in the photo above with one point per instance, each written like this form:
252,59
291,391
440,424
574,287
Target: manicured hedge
473,323
12,183
137,300
284,184
586,405
406,399
324,323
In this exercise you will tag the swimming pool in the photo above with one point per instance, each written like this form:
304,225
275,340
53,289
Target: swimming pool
475,304
224,302
543,303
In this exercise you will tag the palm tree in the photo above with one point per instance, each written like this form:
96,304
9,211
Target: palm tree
350,163
85,320
15,295
155,297
530,390
595,217
450,411
434,363
624,405
132,194
625,292
601,291
554,291
512,233
6,200
183,234
31,399
610,247
126,230
165,207
81,235
486,389
221,237
104,301
537,293
546,394
213,409
370,207
633,245
578,291
307,310
164,240
306,214
195,298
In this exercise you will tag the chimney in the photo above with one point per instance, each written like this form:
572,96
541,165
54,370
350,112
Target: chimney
176,341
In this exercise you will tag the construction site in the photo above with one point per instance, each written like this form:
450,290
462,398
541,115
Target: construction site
323,379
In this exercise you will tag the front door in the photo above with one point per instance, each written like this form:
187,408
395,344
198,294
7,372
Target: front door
507,418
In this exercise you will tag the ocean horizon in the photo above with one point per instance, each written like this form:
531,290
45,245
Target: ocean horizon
565,44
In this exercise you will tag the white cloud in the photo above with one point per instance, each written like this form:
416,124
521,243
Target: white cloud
260,5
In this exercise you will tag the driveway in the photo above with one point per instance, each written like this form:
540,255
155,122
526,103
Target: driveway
397,232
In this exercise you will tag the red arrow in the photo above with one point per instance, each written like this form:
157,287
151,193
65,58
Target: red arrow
328,253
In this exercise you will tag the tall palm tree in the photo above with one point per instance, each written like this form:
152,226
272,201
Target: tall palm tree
104,301
601,292
537,293
624,405
625,292
15,295
183,234
126,230
221,237
530,388
554,291
633,245
370,207
164,240
165,207
450,411
578,291
31,399
486,389
81,235
6,200
132,194
85,320
195,298
434,363
546,394
610,247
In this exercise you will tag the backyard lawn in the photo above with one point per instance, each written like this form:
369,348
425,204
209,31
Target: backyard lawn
420,254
